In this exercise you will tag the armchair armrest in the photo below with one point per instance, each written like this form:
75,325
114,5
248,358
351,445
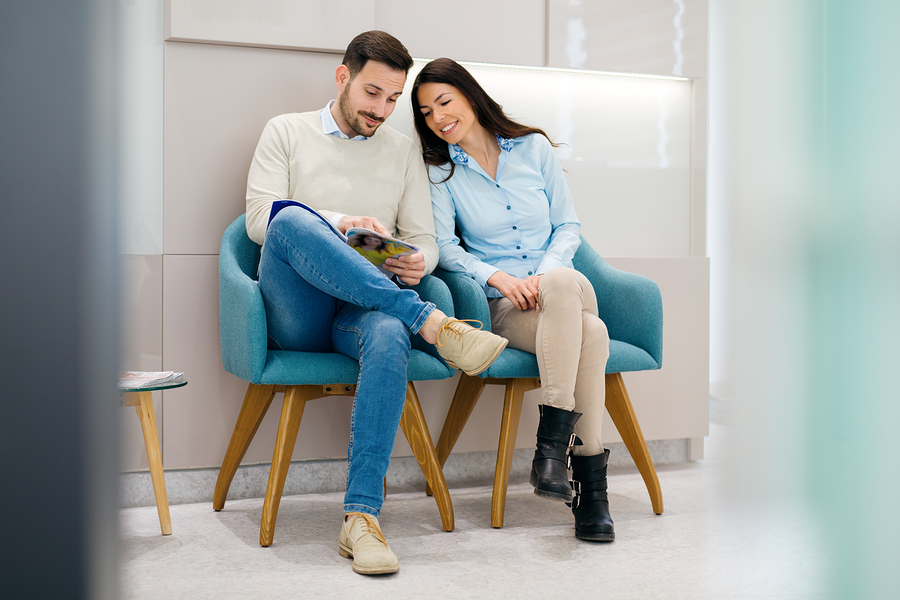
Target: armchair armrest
242,315
629,304
431,289
469,300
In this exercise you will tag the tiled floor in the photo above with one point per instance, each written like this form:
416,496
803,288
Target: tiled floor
701,547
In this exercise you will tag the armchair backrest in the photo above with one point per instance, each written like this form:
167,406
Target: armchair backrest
242,316
629,304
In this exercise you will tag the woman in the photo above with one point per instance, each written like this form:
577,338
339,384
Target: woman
501,184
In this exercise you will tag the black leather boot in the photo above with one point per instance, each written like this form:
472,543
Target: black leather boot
550,467
591,503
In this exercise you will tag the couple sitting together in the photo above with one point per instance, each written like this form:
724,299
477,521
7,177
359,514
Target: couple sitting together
501,185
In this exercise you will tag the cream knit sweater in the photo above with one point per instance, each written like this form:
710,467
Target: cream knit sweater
382,177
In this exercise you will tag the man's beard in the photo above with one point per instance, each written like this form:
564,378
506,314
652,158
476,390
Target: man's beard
355,121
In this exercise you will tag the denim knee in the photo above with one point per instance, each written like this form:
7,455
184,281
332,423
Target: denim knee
384,333
293,223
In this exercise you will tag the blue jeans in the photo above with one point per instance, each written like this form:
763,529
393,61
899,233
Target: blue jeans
322,296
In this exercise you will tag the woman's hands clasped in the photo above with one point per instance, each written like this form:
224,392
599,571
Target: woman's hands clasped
523,293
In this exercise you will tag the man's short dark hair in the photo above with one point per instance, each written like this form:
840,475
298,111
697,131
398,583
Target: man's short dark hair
378,46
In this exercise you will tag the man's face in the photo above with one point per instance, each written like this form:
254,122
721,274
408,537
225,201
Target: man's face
365,101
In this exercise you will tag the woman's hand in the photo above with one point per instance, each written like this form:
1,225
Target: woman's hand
410,268
523,293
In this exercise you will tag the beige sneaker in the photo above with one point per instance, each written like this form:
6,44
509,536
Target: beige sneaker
464,347
362,540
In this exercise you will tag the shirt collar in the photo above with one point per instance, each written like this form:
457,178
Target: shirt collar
459,156
330,126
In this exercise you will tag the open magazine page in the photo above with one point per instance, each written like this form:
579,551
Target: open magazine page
376,247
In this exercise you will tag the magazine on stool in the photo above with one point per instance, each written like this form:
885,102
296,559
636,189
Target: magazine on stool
129,380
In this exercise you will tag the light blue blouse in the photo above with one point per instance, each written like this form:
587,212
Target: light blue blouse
522,223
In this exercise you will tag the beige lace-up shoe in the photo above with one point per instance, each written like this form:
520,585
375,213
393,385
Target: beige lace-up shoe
465,347
362,540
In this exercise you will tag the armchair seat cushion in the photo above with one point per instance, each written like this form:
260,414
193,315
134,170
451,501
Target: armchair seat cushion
623,358
316,368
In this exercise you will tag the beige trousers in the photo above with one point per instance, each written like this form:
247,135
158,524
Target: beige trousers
571,344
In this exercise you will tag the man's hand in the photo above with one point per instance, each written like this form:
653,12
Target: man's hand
348,221
523,293
410,268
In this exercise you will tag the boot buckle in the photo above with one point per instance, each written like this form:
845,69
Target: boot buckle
572,439
576,486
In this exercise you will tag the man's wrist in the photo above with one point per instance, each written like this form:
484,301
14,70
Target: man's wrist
335,219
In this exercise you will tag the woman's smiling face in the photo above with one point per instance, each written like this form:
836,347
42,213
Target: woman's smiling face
447,112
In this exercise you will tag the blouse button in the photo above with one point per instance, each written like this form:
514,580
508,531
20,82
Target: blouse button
524,256
518,247
498,185
508,207
529,272
514,227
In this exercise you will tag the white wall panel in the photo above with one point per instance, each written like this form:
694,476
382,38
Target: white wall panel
218,99
501,31
297,24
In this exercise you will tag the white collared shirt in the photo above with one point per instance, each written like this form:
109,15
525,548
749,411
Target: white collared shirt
330,127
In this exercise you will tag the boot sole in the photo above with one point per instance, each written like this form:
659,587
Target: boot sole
483,367
346,553
593,536
553,495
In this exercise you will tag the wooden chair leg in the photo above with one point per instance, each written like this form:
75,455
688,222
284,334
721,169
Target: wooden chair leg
509,428
468,391
620,409
295,398
415,428
151,442
256,404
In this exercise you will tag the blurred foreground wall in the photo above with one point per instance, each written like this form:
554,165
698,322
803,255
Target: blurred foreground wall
804,137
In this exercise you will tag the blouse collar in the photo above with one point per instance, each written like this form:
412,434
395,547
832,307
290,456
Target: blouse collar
459,156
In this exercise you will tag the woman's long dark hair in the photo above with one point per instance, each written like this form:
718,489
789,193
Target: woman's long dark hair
490,114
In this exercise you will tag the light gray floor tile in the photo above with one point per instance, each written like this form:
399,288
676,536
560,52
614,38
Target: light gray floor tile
700,548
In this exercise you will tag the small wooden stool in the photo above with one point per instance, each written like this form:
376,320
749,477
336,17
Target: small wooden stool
142,401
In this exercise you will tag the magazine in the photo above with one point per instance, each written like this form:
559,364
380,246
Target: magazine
375,247
148,379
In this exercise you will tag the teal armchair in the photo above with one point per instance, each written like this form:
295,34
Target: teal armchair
631,307
303,376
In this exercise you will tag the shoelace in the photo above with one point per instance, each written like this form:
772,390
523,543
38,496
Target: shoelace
368,526
448,329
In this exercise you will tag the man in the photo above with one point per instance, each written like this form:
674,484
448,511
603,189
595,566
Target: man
320,294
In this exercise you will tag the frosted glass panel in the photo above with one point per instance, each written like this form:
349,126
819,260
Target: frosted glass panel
141,127
627,149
